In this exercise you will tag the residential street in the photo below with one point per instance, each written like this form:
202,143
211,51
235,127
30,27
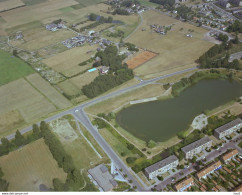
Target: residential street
211,156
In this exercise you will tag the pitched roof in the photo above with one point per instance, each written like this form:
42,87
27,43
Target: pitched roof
161,164
208,169
228,125
196,144
229,154
238,189
183,183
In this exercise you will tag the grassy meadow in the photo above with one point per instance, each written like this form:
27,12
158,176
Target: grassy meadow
12,68
27,168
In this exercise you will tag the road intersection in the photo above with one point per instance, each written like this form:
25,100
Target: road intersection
81,116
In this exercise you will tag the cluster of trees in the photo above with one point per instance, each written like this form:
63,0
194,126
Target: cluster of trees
118,73
129,3
102,124
218,55
19,140
166,3
120,11
74,178
184,12
131,47
119,33
3,183
215,122
235,27
100,19
223,37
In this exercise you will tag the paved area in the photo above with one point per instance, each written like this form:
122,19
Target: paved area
191,167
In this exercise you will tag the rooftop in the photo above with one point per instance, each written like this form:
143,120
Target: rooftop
184,183
208,169
161,164
228,125
102,176
229,154
196,144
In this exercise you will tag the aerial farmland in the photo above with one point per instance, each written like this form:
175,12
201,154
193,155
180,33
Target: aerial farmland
120,95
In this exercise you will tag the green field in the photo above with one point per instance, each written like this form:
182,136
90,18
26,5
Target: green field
89,2
33,2
12,68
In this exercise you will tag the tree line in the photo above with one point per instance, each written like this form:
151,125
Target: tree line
166,3
235,27
118,72
74,178
218,55
100,19
3,183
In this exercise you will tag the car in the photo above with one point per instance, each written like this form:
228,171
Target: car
76,110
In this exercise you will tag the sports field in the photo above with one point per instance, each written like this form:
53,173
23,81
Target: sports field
12,68
27,168
176,51
140,59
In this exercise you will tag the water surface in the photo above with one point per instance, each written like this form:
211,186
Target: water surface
161,120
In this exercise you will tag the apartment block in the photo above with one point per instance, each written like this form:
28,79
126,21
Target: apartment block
196,147
161,167
228,128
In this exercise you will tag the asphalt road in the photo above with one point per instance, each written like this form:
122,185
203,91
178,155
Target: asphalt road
79,112
211,156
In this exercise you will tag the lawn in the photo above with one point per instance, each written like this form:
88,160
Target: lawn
27,168
12,68
74,143
176,51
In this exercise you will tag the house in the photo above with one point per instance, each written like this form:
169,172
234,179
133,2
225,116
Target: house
104,69
103,178
51,27
229,155
228,128
238,189
184,184
208,170
236,2
161,167
196,147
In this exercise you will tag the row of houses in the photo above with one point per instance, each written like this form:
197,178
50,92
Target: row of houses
186,183
195,148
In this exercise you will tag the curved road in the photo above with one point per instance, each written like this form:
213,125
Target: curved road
79,112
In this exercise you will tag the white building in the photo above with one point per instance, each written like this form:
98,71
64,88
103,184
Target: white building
161,167
228,128
196,147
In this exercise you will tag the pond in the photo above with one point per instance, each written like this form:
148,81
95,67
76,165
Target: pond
162,119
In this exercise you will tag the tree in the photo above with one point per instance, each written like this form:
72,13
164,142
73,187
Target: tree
58,185
151,144
1,173
130,146
93,17
19,139
194,158
130,160
36,131
236,39
110,19
223,37
3,185
6,146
